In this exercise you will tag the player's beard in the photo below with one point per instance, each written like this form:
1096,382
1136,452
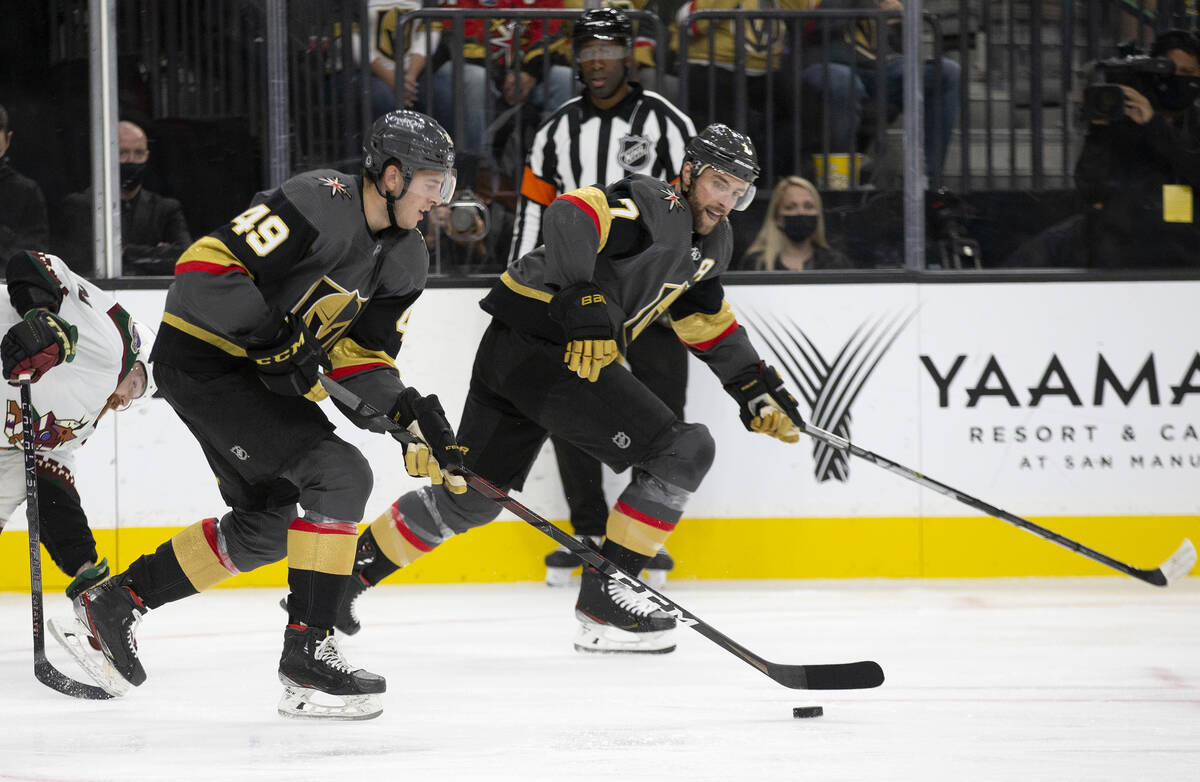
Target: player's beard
700,224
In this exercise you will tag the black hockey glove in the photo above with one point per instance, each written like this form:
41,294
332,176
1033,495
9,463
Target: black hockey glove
765,405
583,313
289,367
36,344
435,454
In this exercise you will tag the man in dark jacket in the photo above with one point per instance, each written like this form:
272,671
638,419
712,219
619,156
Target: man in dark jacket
153,229
23,216
1136,176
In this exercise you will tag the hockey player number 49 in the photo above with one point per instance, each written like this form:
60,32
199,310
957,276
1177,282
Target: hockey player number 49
263,235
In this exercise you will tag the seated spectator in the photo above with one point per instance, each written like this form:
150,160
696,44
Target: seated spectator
848,68
1137,175
762,46
153,229
792,237
383,18
481,89
23,213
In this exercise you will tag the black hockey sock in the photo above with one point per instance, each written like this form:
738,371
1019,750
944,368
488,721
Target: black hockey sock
158,578
370,562
630,561
314,597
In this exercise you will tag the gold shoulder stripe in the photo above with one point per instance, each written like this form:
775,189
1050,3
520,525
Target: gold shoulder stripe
525,290
211,250
594,203
204,335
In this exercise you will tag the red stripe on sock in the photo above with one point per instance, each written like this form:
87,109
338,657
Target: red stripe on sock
402,527
209,527
637,515
325,528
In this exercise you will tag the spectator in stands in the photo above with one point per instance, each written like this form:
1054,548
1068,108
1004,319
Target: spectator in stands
383,19
1137,176
768,104
533,81
792,237
153,229
22,207
848,68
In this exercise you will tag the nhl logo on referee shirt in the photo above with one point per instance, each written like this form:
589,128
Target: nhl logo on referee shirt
633,154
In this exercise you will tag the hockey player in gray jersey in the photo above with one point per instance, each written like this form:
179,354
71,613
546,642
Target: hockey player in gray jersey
319,272
86,356
613,261
614,129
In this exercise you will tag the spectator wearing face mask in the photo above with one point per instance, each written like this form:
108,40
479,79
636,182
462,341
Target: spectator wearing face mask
792,237
153,229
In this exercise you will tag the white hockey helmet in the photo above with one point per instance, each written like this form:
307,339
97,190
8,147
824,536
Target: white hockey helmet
142,344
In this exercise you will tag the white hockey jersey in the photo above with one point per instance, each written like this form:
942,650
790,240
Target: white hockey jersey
69,398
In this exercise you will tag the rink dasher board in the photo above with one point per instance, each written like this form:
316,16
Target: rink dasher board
1074,402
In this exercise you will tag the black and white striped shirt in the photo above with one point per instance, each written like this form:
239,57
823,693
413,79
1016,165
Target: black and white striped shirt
580,145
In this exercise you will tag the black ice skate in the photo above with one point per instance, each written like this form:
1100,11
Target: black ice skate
560,562
658,567
347,617
103,641
613,618
312,664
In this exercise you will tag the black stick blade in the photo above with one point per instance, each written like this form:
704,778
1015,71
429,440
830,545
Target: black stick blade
50,676
837,676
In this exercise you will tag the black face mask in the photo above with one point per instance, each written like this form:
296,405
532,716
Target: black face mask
131,175
799,227
1179,92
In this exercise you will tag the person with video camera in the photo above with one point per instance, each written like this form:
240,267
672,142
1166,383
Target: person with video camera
1138,169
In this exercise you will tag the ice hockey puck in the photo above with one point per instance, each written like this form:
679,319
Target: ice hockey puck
801,712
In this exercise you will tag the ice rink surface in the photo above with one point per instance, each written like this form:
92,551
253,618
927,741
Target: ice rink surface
1030,679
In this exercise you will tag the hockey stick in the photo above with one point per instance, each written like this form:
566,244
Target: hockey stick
836,676
43,669
1176,567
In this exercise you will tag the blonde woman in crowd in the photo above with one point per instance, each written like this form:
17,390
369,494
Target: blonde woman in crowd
792,237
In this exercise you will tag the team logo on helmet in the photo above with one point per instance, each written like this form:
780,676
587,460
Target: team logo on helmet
336,187
633,154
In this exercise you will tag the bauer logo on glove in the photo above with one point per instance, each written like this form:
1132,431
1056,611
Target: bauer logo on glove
764,405
582,311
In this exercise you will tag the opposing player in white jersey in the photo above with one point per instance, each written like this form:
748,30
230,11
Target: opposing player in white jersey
613,129
86,356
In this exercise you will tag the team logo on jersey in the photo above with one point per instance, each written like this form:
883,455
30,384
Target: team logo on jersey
48,431
633,154
672,198
329,309
829,382
337,189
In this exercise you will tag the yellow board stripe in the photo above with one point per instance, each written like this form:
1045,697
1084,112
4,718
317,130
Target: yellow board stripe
204,335
525,290
730,548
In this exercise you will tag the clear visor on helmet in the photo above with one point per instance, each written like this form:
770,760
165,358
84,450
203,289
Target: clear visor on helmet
134,386
601,51
449,184
745,199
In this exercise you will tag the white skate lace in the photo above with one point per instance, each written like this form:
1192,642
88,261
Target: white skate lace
329,654
638,604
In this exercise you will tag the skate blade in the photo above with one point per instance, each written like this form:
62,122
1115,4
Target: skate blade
606,639
76,639
559,576
299,703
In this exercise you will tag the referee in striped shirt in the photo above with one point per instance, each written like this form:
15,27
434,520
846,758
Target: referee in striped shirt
613,129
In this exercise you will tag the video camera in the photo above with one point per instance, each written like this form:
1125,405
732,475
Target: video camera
1133,68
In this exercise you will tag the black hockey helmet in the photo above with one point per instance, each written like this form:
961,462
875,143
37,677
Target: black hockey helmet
726,150
415,142
603,24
